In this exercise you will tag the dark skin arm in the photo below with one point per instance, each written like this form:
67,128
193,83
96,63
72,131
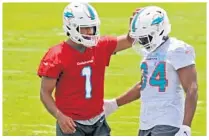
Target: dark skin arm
129,96
47,86
188,78
123,42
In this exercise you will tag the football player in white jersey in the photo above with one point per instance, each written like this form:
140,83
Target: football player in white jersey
168,71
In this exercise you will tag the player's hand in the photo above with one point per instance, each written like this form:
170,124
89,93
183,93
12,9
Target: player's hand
131,18
66,123
110,106
134,12
184,131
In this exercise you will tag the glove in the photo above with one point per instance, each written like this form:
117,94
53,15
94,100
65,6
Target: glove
184,131
110,106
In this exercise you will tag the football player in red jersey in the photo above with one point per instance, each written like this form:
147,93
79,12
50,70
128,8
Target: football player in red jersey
76,69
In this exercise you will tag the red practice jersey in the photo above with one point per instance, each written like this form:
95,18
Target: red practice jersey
80,77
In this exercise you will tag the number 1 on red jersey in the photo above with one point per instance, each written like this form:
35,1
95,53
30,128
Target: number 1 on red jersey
86,71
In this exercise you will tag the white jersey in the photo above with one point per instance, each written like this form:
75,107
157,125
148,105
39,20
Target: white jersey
162,95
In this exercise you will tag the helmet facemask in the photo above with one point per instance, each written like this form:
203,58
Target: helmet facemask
149,28
149,42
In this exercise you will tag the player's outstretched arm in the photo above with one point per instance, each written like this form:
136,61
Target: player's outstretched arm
131,95
47,86
123,42
188,78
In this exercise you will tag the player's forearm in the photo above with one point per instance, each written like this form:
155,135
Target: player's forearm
49,104
130,96
123,42
190,105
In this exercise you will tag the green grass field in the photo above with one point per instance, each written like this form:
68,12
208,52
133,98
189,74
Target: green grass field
29,29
